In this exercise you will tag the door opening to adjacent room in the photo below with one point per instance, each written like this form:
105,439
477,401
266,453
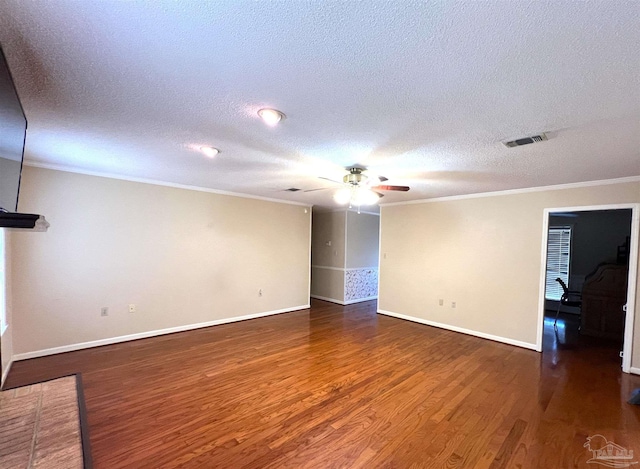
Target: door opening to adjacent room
589,283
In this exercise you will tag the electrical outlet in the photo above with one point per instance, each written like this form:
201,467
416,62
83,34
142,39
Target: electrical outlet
453,304
132,308
104,311
440,301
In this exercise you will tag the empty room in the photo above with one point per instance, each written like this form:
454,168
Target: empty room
324,234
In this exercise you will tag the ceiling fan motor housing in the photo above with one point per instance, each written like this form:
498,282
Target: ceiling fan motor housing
354,177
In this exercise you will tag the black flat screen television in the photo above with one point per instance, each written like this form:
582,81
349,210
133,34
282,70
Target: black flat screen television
13,131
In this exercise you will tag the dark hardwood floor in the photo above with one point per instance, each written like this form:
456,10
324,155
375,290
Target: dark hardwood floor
341,387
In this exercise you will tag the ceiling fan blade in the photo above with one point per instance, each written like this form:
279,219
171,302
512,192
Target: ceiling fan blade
367,173
332,180
380,196
391,188
318,189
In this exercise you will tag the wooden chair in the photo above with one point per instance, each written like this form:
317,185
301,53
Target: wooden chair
568,298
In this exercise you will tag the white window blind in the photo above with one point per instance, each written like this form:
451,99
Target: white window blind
558,257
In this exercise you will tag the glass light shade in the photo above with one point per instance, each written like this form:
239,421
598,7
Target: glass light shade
342,196
362,196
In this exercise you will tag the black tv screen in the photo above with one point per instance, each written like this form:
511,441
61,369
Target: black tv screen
13,129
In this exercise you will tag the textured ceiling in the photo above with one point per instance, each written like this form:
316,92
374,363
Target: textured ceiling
422,93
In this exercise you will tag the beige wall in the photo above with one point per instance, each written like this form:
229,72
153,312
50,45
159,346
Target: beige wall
327,284
483,253
363,237
6,342
328,261
328,227
182,257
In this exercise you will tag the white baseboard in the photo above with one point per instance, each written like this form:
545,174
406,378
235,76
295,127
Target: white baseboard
344,303
144,335
360,300
325,298
5,374
448,327
634,370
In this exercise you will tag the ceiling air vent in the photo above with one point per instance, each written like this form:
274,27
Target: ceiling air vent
292,189
526,140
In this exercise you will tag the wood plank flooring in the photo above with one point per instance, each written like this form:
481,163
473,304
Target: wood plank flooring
343,387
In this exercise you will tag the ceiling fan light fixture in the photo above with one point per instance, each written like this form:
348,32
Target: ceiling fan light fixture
355,196
271,117
364,196
342,196
356,191
211,152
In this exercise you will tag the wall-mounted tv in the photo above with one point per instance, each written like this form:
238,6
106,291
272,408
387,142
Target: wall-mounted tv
13,131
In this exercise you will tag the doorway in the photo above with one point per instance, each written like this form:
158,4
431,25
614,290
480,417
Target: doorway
593,250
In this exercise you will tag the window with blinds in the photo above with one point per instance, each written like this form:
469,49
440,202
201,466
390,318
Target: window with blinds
558,258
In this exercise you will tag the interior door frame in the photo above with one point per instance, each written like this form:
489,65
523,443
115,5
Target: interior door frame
632,277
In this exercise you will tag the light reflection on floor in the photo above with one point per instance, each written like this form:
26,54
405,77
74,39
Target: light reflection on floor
558,335
565,341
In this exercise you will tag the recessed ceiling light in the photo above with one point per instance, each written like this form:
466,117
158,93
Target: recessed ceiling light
209,151
271,116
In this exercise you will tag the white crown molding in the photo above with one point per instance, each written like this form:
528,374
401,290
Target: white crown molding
320,209
160,183
353,210
482,335
145,335
526,190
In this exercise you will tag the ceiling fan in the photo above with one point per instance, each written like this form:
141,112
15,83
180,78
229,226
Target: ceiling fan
359,189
